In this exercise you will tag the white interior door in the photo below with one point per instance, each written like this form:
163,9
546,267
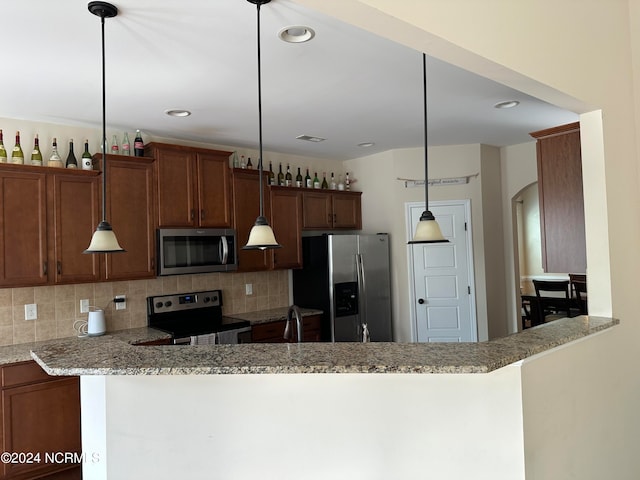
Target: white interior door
442,277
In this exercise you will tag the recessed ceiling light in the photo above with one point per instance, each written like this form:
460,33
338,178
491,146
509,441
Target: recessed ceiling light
310,138
177,112
366,144
296,34
507,104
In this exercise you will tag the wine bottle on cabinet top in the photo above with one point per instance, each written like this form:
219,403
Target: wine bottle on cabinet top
3,151
299,179
280,176
307,180
87,161
36,155
288,179
17,156
54,159
71,157
126,146
138,145
324,185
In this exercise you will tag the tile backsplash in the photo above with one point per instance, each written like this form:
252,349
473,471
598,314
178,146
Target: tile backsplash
59,306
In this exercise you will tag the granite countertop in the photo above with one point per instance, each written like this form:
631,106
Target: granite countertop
115,355
271,315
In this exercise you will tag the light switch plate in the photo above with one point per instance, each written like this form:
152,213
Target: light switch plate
31,311
122,304
248,287
84,305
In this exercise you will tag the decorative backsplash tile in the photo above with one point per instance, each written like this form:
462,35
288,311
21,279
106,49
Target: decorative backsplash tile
59,306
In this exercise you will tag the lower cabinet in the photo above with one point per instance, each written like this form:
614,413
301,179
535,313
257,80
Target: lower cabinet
40,424
273,332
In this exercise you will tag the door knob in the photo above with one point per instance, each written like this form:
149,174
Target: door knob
421,301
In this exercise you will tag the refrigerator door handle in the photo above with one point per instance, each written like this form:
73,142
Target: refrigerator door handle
362,293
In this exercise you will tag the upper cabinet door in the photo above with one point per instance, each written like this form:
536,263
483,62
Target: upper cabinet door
317,210
74,201
286,221
23,228
347,212
175,185
131,212
214,190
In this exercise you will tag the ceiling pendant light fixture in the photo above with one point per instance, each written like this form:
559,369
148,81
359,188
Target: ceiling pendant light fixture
427,230
104,239
261,236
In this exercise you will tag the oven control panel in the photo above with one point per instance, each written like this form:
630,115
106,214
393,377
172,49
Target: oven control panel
183,301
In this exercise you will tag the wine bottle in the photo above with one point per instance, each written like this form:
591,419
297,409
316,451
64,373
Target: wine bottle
272,176
17,156
36,155
316,182
249,164
126,146
298,179
324,185
280,176
288,179
87,161
347,182
71,157
332,184
54,159
115,150
138,145
307,180
3,151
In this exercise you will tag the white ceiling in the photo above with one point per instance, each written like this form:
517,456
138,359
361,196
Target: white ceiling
346,85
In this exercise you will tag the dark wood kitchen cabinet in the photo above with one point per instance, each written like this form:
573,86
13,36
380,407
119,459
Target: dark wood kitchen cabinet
324,210
561,199
246,208
40,416
286,221
131,213
273,332
46,222
193,186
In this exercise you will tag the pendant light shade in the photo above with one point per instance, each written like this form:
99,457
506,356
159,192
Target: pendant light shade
261,236
104,239
427,230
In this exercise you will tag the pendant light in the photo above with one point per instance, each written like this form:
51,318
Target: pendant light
103,239
261,236
427,230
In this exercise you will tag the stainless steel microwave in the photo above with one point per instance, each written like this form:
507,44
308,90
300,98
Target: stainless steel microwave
196,250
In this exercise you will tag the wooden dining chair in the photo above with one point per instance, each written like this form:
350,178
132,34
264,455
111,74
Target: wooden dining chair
580,296
554,299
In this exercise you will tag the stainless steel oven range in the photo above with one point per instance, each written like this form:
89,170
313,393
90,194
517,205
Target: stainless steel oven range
196,319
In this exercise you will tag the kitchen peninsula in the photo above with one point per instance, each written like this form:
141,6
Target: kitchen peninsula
368,410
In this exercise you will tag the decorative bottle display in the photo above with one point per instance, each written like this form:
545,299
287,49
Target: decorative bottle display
316,181
280,176
340,182
54,159
324,185
271,175
347,182
115,150
249,164
299,179
3,151
17,156
288,179
126,146
236,160
332,183
307,180
87,162
36,155
243,164
71,158
138,145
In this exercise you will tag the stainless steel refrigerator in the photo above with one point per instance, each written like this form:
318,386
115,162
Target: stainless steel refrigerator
347,276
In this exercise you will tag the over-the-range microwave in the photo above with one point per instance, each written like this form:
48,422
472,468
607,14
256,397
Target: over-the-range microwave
196,250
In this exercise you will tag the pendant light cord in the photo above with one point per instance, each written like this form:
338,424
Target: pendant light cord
260,116
426,144
104,130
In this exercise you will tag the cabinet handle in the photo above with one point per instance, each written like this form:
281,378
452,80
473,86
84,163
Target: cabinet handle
59,267
193,214
335,217
44,268
329,215
201,214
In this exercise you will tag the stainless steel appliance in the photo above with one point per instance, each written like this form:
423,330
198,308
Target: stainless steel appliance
196,250
195,319
347,276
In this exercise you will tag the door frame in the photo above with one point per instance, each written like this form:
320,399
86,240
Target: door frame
408,206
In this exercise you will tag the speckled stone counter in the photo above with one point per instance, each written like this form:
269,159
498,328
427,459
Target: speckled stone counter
114,355
271,315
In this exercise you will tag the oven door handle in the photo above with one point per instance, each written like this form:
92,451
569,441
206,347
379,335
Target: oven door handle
224,247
